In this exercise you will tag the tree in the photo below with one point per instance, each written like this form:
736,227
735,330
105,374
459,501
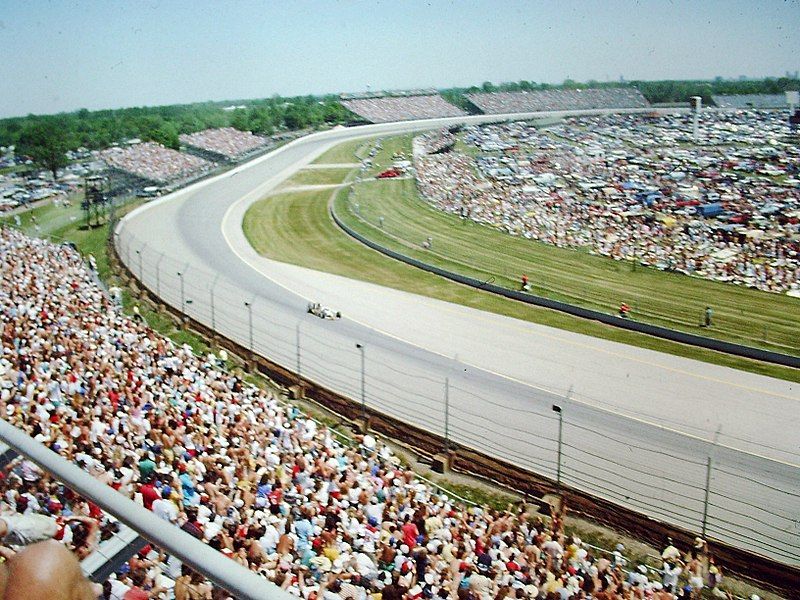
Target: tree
46,143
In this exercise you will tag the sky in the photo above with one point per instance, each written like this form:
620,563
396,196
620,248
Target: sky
61,56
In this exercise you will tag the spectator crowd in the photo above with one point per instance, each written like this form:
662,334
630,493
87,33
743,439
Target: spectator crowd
154,162
547,100
268,487
227,142
636,187
402,108
747,101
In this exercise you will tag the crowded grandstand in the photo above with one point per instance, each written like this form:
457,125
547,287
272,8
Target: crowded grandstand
552,100
626,187
224,143
745,101
152,162
253,477
402,108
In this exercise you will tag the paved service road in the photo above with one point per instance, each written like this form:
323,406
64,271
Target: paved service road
644,429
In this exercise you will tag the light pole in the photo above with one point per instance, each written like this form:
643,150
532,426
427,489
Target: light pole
249,306
363,384
557,409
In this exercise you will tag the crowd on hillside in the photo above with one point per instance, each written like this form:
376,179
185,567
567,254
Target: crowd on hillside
154,162
402,108
546,100
637,188
224,141
252,477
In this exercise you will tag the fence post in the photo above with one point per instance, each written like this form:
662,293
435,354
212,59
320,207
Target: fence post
297,342
446,415
213,307
158,276
705,500
557,409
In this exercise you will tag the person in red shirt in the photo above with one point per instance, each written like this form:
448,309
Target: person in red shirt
410,532
149,494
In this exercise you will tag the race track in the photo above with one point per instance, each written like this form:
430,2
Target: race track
639,427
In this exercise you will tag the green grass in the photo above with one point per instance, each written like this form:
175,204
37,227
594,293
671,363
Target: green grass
668,299
672,300
317,177
342,153
296,228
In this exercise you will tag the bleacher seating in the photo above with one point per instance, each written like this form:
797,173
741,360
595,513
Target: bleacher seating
154,162
225,142
545,100
405,108
750,101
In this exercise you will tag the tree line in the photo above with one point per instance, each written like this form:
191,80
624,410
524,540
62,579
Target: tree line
46,138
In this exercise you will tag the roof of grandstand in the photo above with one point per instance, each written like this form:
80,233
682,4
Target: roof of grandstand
750,101
511,102
405,108
388,94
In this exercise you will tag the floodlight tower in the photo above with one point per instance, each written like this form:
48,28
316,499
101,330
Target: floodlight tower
792,99
697,106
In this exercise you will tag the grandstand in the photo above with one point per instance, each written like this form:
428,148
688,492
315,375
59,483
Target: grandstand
750,101
224,143
402,108
545,100
152,162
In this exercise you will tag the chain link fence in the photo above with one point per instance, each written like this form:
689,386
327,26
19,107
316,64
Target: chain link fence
734,497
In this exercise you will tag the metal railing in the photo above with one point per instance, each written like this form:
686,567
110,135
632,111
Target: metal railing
739,498
225,573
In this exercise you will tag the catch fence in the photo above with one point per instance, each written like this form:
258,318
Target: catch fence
741,499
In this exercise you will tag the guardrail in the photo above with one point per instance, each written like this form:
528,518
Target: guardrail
225,573
578,311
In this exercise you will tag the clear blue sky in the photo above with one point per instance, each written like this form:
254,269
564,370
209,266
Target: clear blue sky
61,56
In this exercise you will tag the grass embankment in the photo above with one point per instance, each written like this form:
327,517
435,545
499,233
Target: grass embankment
297,228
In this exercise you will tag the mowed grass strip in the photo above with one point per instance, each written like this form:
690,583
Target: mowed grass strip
317,177
342,153
668,299
297,228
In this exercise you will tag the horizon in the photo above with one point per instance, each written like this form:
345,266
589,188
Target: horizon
375,91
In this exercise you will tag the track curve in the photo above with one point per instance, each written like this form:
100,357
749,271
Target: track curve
639,426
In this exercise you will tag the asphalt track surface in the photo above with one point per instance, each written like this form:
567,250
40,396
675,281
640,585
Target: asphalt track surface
639,427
